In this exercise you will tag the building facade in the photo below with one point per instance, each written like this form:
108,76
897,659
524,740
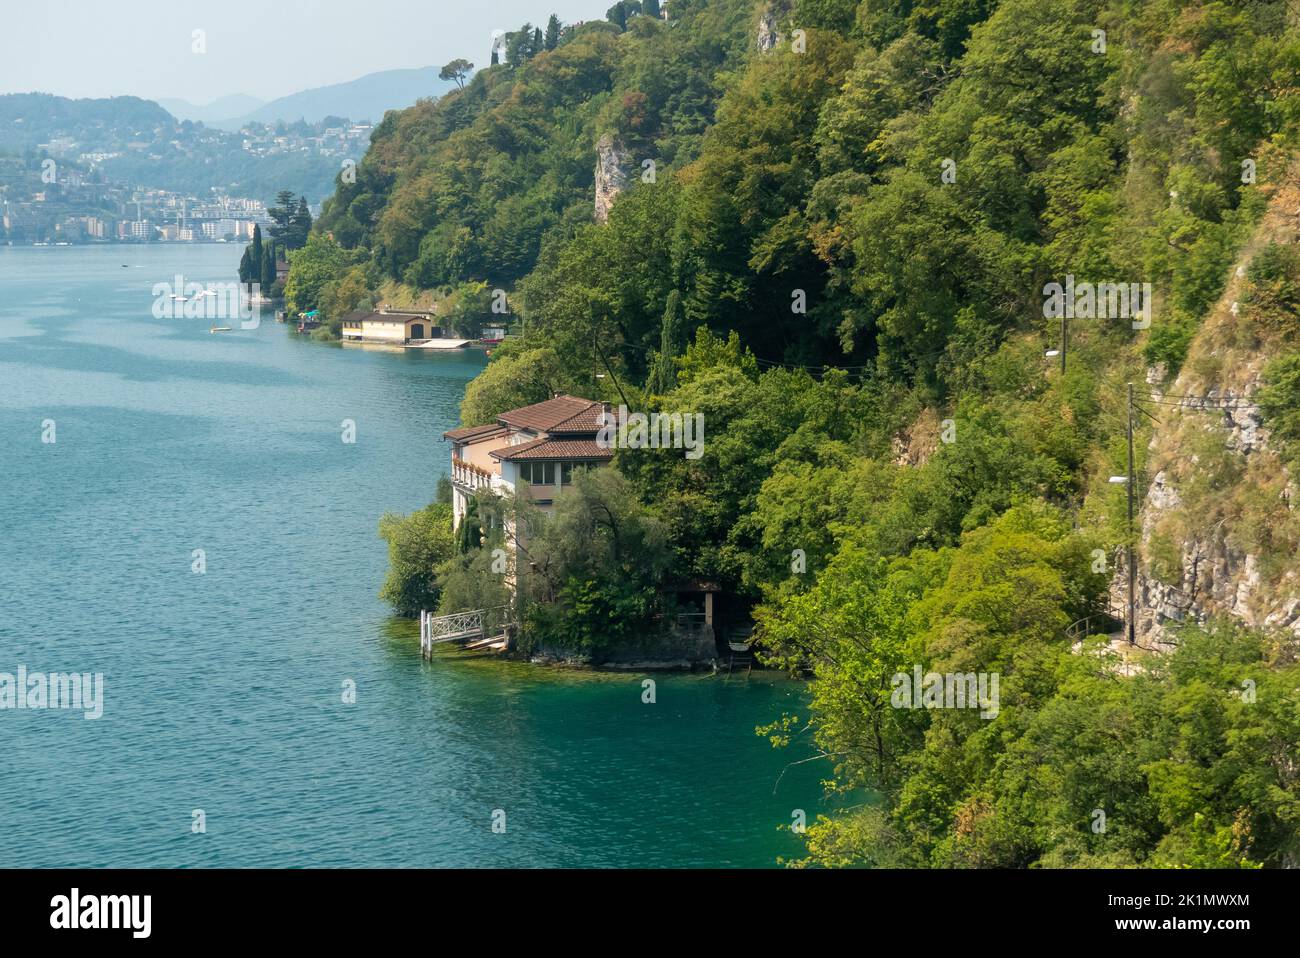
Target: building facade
385,326
539,445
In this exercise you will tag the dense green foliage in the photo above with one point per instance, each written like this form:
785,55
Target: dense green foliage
417,545
592,568
1185,765
838,258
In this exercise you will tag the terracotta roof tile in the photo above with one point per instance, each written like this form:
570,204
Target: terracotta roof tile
561,414
547,448
473,432
587,421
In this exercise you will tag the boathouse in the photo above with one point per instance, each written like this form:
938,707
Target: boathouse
391,327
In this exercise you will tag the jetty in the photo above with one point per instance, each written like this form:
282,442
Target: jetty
475,630
439,343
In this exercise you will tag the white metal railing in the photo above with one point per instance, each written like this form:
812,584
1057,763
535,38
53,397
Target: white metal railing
458,625
470,476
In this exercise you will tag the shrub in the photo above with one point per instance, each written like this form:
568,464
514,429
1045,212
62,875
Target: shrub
417,545
1279,401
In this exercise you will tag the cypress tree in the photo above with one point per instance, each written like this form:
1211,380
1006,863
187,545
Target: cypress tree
670,334
552,39
300,223
268,268
470,534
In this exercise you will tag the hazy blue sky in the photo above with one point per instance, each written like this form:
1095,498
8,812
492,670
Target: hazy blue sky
266,48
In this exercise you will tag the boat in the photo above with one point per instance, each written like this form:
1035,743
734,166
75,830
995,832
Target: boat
220,329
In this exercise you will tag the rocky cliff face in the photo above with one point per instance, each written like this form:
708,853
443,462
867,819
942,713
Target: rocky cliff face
611,175
767,35
771,14
915,445
1220,531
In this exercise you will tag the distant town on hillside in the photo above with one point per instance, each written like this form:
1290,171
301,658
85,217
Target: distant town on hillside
125,169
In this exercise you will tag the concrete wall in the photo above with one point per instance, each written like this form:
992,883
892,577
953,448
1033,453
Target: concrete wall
479,453
389,332
674,649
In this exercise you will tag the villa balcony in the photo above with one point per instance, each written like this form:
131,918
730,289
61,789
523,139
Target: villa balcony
469,477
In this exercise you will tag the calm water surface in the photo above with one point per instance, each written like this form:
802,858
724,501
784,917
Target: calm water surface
223,690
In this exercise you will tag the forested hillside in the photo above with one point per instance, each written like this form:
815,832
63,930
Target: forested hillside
834,229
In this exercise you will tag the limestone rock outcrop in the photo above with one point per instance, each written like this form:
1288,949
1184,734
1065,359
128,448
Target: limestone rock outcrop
611,174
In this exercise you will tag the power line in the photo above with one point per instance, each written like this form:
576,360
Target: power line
1206,402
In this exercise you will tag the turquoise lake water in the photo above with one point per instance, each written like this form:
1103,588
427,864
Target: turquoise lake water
223,691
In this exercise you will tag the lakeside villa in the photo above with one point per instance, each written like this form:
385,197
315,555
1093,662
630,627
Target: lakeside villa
540,444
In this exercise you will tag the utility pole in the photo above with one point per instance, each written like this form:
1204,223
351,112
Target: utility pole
1130,624
610,370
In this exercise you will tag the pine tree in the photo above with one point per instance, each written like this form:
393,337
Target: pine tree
519,44
282,215
456,70
552,39
650,8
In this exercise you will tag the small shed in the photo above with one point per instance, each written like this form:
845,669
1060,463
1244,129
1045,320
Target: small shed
696,597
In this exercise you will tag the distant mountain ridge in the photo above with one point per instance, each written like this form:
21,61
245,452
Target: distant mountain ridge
220,109
365,98
28,119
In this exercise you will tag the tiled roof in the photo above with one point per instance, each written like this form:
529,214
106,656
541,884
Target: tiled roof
547,448
473,432
562,414
587,421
